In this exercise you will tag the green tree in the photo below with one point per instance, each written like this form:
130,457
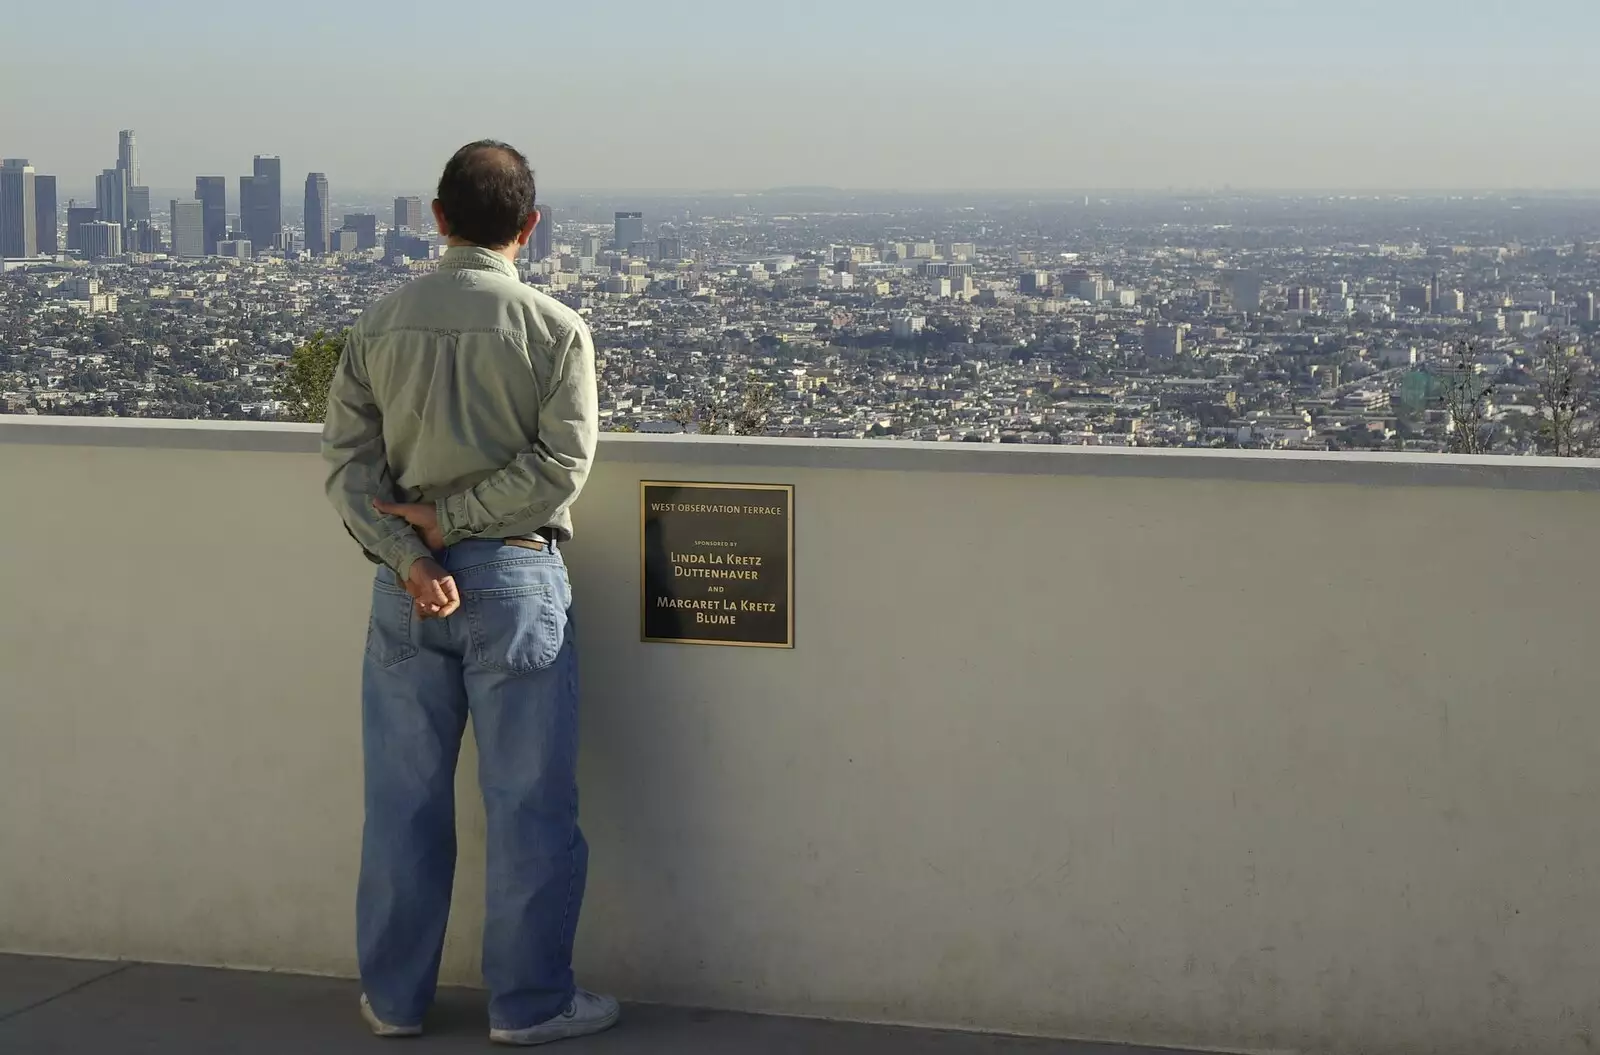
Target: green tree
309,373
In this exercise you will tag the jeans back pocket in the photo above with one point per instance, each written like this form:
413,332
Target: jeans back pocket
517,629
391,636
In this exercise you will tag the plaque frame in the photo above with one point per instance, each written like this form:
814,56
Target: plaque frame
644,585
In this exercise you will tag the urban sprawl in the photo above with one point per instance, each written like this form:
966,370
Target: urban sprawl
1215,319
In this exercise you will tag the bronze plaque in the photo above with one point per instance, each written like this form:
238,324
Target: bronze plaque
716,564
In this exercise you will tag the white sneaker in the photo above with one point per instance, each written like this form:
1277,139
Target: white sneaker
588,1013
380,1028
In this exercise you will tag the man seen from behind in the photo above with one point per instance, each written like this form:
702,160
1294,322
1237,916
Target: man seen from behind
461,426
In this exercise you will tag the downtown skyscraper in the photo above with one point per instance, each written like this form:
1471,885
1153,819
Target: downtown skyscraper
138,204
111,196
46,215
365,224
128,155
408,213
101,239
542,242
261,202
247,199
135,195
188,229
316,210
77,217
628,228
19,233
212,194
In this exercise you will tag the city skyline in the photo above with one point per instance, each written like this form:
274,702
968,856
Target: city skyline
1307,324
1038,96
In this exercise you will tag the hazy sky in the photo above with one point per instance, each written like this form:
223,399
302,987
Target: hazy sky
737,94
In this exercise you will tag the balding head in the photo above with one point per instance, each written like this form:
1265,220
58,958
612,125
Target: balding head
486,195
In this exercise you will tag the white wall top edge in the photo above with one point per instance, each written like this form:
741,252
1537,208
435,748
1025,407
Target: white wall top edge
733,452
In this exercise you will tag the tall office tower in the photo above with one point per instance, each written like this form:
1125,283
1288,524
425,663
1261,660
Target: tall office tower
19,210
590,247
188,229
102,239
46,217
541,244
267,201
1585,312
212,194
111,197
1433,291
669,248
128,156
628,230
316,213
77,216
138,205
247,208
136,196
1338,290
1299,299
365,225
408,213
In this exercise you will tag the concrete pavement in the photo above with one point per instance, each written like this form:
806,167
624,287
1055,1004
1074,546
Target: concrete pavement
81,1007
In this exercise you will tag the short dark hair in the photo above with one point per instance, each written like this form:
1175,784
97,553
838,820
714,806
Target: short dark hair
487,193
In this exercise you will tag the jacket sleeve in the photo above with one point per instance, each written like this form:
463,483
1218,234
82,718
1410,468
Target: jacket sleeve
358,465
547,476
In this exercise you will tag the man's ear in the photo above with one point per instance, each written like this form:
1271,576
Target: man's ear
439,220
527,228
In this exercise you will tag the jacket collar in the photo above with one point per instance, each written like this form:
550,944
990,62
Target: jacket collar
475,258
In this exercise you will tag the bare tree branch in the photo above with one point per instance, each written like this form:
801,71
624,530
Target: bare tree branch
747,415
1467,401
1563,381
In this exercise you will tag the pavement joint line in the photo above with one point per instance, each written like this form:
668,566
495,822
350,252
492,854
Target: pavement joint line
52,998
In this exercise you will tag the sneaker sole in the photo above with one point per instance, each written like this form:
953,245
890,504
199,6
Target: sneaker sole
381,1028
529,1038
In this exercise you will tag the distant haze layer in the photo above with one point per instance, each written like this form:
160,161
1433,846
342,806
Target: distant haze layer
912,94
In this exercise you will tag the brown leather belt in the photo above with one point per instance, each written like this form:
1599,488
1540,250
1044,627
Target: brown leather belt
542,540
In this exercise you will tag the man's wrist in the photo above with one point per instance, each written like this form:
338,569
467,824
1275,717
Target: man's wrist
404,550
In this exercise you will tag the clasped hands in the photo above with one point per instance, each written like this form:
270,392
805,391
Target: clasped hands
433,590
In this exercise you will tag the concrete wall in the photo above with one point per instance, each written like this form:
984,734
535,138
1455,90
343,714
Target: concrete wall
1258,752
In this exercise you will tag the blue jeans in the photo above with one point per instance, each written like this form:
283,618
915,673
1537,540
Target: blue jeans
508,659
